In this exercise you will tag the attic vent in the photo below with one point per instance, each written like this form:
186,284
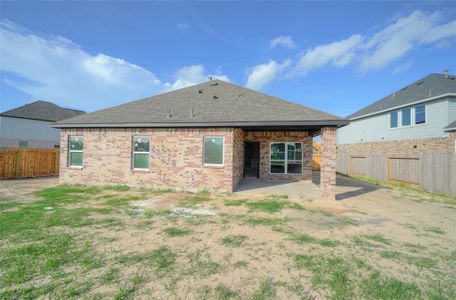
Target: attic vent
200,91
215,97
214,84
419,82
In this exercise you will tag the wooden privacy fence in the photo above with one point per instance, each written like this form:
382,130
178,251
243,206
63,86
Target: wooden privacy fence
432,172
28,162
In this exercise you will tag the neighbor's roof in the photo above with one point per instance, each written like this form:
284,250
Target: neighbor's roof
429,87
451,126
211,104
43,111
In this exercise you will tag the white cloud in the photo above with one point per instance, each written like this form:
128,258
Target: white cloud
262,74
285,41
190,75
402,68
56,69
395,40
338,54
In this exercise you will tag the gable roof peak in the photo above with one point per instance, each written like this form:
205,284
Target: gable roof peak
213,103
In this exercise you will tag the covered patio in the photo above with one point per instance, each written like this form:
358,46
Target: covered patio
277,157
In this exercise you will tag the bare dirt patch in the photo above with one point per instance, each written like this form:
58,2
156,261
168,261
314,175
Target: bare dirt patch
133,243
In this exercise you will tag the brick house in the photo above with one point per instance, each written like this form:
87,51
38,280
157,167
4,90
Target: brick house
207,136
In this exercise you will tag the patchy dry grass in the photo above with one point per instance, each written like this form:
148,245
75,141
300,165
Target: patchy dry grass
175,231
99,242
234,240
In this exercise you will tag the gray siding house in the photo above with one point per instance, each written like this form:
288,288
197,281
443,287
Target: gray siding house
420,118
28,126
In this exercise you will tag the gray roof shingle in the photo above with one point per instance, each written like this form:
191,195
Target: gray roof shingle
214,103
430,86
43,111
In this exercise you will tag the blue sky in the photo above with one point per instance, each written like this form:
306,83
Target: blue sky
333,56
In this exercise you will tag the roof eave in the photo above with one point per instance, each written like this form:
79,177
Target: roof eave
26,118
317,123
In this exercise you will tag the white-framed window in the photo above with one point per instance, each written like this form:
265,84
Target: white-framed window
214,150
140,153
394,119
75,151
406,117
420,114
286,158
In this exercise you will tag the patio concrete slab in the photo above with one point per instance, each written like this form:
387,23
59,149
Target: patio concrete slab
301,189
345,187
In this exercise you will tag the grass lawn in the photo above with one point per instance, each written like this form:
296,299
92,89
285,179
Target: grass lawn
121,243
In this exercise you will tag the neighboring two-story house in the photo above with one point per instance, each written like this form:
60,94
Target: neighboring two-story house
419,118
28,126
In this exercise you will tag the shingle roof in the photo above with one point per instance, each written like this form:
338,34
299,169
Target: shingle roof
451,126
430,86
42,110
213,103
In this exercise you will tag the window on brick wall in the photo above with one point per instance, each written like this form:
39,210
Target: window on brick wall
75,151
213,150
140,152
286,158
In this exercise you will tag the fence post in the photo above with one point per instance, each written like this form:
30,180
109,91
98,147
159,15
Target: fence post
17,163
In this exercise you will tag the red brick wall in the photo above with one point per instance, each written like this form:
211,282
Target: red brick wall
266,137
328,162
424,145
238,156
175,159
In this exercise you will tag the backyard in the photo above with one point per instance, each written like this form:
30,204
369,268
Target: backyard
120,242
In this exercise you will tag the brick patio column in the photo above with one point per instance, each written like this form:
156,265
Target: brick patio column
328,162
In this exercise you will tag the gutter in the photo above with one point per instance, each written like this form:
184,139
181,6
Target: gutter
405,105
320,123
